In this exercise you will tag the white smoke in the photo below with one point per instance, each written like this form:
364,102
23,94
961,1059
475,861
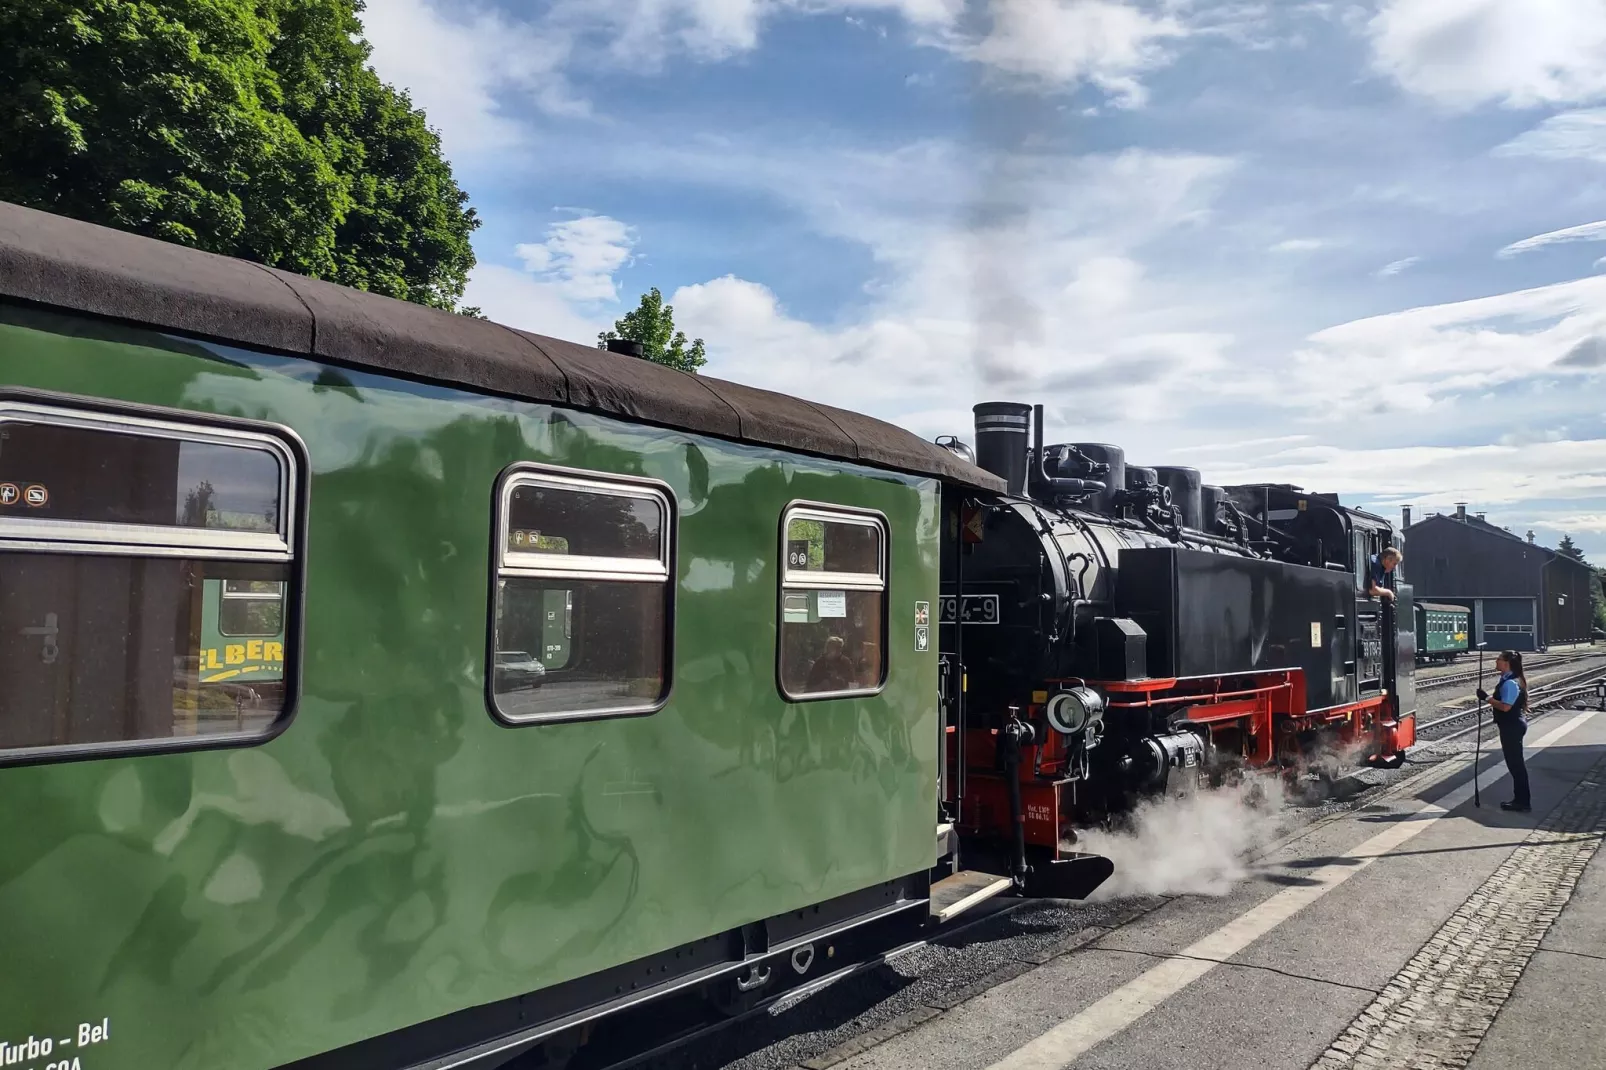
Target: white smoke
1197,844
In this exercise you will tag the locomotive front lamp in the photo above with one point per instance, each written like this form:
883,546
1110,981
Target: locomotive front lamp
1070,711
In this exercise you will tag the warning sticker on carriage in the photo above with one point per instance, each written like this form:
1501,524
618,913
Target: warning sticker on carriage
922,637
1315,634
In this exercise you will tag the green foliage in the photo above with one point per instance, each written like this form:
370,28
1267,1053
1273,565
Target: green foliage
1567,548
1597,598
251,128
653,325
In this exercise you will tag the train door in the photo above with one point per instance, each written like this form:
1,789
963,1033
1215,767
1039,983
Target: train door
1400,673
1371,623
960,515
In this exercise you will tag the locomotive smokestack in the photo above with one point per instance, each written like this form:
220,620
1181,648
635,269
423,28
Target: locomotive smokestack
1002,441
1405,518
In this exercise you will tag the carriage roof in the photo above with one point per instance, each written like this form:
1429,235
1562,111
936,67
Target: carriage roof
1442,607
62,263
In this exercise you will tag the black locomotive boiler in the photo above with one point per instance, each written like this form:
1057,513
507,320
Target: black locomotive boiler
1111,632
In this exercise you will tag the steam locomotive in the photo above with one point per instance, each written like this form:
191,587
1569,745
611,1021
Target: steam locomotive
1111,632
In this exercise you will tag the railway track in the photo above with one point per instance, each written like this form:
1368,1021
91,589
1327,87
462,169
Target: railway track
1433,683
1552,692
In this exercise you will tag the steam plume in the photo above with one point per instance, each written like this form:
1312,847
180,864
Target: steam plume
1190,845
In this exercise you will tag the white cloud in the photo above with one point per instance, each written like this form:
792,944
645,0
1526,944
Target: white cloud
1063,42
1488,475
567,280
460,68
1413,359
1298,245
467,65
1573,523
1517,53
580,257
1029,291
1584,232
1389,270
1572,135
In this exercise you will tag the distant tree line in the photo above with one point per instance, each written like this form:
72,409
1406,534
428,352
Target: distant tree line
1597,590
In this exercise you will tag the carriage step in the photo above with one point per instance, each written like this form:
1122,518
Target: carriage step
952,896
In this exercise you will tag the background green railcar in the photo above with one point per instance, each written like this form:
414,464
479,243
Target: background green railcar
340,827
1442,631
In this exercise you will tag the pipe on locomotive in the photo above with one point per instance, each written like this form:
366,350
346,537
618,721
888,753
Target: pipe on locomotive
1001,443
1009,444
1004,449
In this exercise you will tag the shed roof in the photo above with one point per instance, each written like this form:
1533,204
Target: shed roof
1483,527
67,264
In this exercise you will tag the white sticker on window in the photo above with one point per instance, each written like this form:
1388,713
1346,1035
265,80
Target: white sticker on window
833,604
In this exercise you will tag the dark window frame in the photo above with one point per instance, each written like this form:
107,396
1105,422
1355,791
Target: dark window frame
788,580
153,540
134,540
224,597
580,568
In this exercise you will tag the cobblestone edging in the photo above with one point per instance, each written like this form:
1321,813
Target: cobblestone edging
1434,1013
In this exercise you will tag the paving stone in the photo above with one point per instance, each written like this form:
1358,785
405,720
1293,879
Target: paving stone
1434,1013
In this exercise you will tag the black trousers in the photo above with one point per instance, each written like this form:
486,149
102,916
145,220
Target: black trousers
1511,733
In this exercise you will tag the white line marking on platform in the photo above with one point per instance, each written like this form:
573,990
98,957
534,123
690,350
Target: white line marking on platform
1078,1035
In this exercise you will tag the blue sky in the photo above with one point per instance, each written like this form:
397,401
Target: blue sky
1355,246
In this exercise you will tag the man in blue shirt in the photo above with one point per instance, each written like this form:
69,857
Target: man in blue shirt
1379,568
1510,705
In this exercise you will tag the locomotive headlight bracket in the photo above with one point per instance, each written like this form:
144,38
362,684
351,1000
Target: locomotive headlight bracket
1075,709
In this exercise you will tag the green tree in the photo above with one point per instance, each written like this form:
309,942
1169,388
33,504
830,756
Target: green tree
251,128
653,325
1597,596
1567,548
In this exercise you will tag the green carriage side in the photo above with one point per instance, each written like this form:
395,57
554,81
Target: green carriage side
1442,631
296,793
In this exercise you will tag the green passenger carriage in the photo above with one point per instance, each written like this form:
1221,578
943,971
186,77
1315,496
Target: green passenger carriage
383,688
1442,631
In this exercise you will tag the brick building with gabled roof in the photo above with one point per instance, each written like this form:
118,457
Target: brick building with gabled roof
1523,596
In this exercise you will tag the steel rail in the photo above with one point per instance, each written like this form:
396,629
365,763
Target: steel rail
1546,694
1432,683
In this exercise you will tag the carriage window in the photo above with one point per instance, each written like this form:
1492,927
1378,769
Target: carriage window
832,634
251,608
583,587
145,566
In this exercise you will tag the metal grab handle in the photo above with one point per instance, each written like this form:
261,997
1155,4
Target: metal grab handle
50,651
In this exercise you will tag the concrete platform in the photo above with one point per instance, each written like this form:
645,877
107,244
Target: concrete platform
1417,931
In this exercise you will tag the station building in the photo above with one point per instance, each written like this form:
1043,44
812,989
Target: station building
1523,596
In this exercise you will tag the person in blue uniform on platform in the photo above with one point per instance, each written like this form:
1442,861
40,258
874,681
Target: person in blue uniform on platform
1379,568
1510,705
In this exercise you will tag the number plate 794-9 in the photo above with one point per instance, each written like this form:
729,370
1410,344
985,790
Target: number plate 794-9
979,609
